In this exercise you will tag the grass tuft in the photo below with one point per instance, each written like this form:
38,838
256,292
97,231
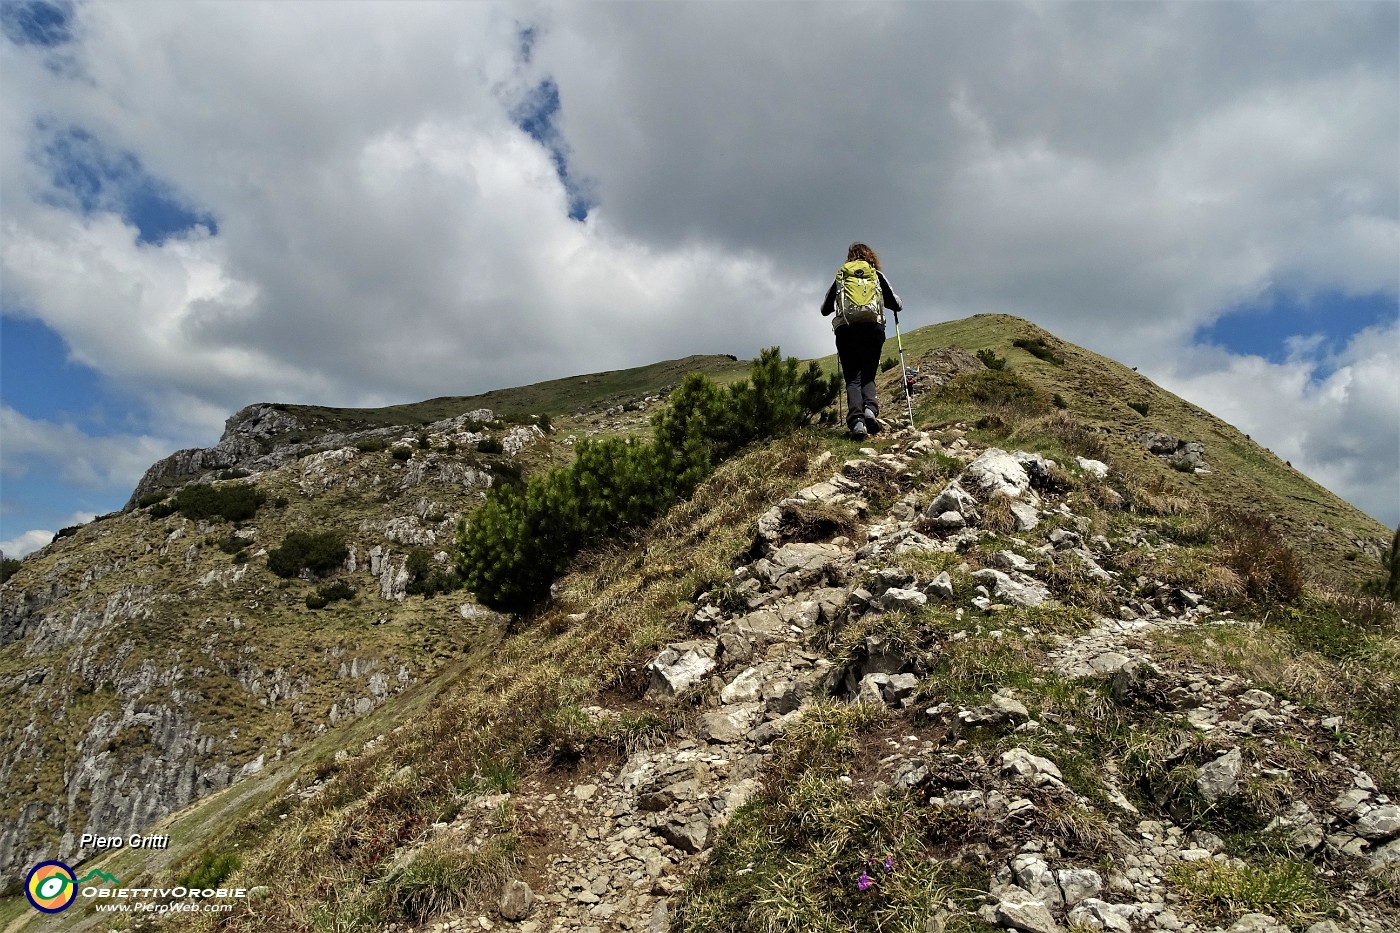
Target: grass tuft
1221,891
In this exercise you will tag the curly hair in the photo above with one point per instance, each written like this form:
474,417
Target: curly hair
861,251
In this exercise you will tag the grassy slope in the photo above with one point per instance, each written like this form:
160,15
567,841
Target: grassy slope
592,392
1321,527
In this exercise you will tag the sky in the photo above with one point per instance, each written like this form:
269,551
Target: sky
205,205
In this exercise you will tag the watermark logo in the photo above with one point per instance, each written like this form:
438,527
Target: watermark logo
51,887
100,876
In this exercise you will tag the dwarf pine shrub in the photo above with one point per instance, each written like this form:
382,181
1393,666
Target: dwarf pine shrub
233,503
524,536
319,552
426,577
991,360
1037,347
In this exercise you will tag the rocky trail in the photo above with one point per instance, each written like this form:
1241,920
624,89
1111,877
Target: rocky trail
608,847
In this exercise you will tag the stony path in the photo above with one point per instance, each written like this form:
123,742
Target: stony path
615,845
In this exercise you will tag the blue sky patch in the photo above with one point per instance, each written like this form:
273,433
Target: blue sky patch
89,176
1271,326
535,115
36,22
40,380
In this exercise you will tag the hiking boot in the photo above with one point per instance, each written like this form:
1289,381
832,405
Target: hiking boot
858,431
872,422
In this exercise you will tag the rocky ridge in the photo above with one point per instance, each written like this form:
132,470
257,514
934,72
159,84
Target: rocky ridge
115,722
624,838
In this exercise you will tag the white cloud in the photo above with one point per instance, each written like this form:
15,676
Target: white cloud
31,541
78,458
1119,173
27,543
1340,428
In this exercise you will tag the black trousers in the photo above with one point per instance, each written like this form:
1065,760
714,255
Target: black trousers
858,347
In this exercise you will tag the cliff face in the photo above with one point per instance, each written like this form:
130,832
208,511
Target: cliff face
150,659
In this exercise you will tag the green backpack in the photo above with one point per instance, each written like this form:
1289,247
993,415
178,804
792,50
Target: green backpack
859,298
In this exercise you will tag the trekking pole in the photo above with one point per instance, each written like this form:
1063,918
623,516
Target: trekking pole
904,373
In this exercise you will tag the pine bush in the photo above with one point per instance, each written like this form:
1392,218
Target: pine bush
233,503
319,552
524,536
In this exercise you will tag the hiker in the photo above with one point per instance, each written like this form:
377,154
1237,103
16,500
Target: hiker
858,298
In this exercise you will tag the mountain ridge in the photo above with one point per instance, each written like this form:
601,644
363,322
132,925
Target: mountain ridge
389,507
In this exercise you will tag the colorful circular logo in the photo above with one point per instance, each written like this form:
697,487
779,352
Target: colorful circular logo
51,887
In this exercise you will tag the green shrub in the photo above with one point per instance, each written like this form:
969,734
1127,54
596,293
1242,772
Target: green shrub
149,500
162,509
991,360
371,445
231,544
318,552
403,453
524,536
233,503
424,442
505,473
238,473
8,566
332,592
426,577
212,869
1059,401
490,445
888,363
1037,347
1142,408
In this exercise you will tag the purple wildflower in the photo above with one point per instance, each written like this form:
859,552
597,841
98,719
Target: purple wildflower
889,863
864,883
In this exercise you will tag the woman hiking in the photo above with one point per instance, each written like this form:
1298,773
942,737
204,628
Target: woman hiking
858,298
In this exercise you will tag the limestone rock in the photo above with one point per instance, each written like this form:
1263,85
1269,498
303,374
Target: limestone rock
997,473
1258,923
1029,916
954,499
1221,777
941,587
1093,467
517,900
1019,590
1094,914
681,666
692,836
1020,764
1380,823
899,599
729,723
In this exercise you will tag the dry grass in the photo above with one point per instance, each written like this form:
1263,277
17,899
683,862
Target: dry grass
520,698
1159,496
1073,435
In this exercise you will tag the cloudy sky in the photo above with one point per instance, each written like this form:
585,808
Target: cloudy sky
209,204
